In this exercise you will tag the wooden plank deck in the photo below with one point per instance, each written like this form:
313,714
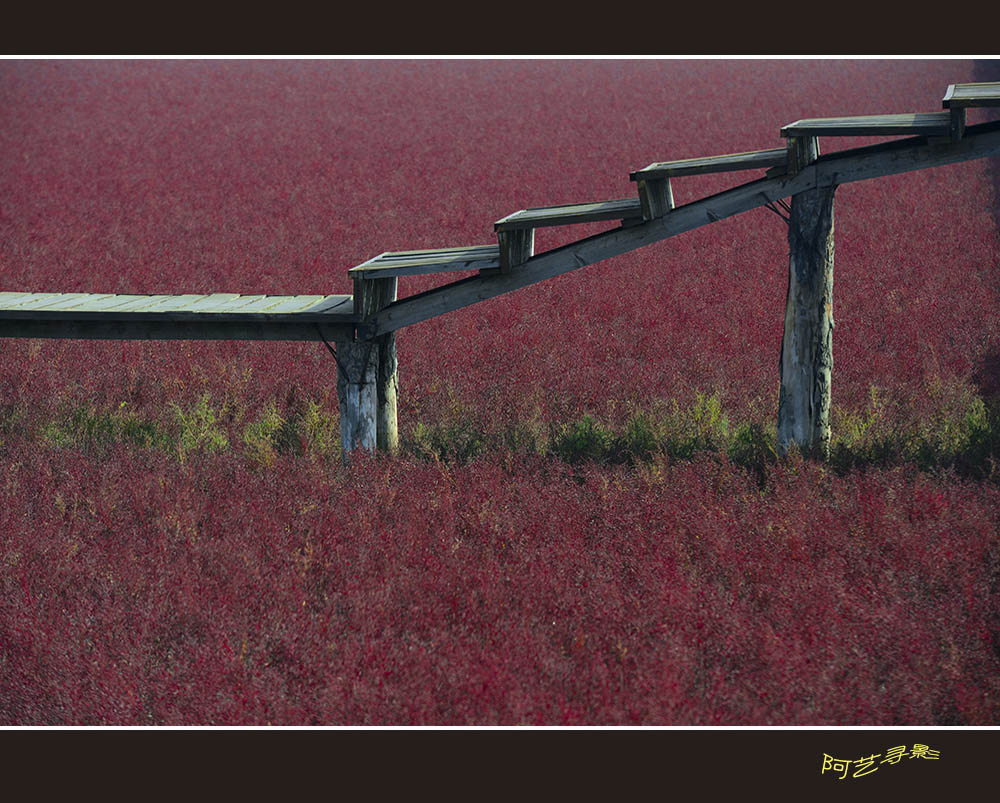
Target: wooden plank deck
965,96
726,163
437,260
212,316
566,214
932,124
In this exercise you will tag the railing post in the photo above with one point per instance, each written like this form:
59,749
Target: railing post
807,343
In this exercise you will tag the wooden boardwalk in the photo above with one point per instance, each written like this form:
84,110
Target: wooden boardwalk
214,316
363,324
840,167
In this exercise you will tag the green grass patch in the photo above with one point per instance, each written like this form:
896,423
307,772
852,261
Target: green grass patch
261,436
949,426
953,428
199,428
86,427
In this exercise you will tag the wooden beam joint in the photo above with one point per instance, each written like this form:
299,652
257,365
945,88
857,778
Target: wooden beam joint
517,246
656,197
802,152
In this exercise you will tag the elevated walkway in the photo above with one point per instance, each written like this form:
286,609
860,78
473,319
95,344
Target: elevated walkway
214,316
363,324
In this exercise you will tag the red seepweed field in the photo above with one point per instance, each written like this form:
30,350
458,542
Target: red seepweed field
587,522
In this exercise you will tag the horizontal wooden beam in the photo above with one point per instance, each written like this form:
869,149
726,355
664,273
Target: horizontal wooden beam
841,167
105,329
66,306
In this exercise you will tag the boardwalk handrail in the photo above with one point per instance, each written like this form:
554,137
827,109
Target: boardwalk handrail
830,170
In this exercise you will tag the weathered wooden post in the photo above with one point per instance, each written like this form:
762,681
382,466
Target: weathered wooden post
356,376
807,344
368,392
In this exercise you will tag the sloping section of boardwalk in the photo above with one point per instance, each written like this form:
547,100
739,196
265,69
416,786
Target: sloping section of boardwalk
840,167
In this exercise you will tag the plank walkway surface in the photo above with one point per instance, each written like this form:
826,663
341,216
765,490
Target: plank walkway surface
435,260
930,124
538,217
192,315
726,163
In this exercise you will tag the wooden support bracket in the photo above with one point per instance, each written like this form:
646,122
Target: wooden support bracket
957,123
517,246
656,197
802,151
